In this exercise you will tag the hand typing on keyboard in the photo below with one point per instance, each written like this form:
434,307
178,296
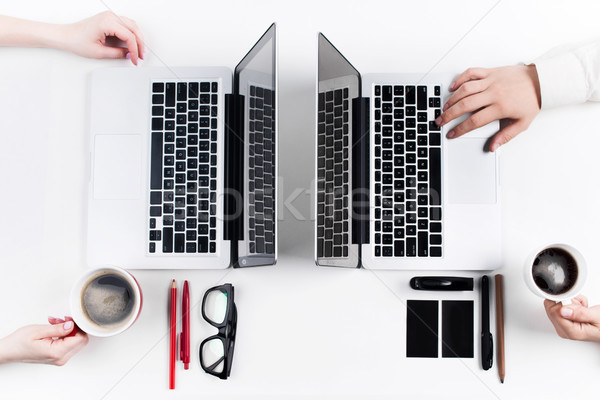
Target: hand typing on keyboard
510,94
87,38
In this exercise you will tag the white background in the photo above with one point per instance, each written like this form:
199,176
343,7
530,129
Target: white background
303,331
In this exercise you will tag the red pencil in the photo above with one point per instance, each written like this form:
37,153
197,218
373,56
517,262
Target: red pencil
173,334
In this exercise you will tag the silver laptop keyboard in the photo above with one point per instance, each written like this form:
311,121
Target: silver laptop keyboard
183,170
407,173
333,169
261,171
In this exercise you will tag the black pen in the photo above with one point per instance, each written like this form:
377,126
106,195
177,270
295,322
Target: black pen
487,343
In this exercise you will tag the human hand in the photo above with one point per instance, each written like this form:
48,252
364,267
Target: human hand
510,94
35,343
576,321
88,37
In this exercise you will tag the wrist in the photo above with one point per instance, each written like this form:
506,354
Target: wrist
535,80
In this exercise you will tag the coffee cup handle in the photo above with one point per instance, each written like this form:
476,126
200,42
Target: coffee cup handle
566,302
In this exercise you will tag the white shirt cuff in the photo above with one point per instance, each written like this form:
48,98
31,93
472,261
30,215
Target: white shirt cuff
562,80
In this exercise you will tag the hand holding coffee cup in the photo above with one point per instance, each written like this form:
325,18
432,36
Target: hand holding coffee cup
556,272
106,301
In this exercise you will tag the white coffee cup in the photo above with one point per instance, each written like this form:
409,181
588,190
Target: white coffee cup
113,299
569,283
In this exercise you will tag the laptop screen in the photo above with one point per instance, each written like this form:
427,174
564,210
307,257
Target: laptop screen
255,82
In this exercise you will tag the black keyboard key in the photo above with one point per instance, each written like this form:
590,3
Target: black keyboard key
435,251
179,242
181,91
388,251
411,247
399,248
387,93
435,227
193,91
167,240
423,244
158,87
170,93
422,97
155,198
158,99
152,248
410,95
435,176
190,247
157,111
156,155
435,213
435,239
155,211
202,244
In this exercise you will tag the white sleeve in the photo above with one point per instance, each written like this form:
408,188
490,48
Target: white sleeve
570,74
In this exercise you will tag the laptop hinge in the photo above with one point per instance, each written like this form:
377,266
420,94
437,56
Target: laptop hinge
233,195
360,170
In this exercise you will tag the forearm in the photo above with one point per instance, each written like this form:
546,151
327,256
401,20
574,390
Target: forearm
7,353
24,33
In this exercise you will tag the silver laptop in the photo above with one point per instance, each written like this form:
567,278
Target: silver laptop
392,191
184,164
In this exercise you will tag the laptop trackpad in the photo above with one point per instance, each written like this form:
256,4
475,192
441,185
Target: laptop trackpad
117,167
471,172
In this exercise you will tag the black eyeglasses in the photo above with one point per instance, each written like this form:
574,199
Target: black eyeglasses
219,310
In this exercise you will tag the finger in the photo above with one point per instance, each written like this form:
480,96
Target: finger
54,320
553,315
579,313
133,27
67,348
476,120
506,134
57,330
467,89
581,299
112,52
128,37
471,73
466,105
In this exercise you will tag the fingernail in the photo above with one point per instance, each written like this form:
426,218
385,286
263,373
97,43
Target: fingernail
445,107
128,56
450,134
68,325
453,86
438,121
566,312
494,147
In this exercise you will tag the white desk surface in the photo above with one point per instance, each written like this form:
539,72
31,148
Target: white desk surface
303,331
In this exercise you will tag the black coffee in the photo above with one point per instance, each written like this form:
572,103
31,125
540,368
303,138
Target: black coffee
555,271
108,300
